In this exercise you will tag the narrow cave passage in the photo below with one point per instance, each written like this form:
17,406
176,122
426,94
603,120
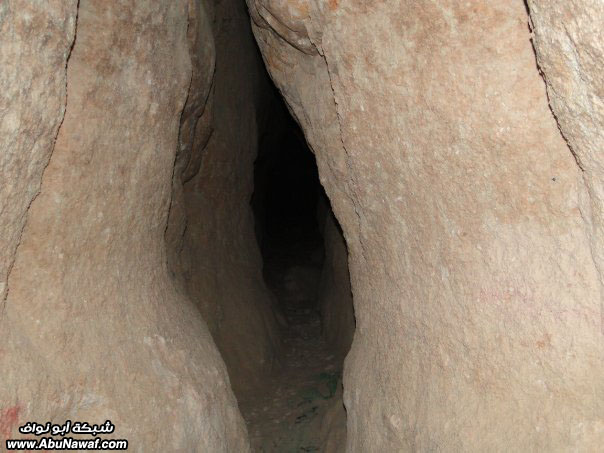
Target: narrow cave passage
288,204
300,408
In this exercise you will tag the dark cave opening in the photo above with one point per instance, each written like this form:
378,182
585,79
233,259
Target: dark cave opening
305,267
289,206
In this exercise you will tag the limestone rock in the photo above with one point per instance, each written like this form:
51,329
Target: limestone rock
94,327
35,44
569,42
195,126
335,297
476,295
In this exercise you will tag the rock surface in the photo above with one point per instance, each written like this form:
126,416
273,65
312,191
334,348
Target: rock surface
475,290
196,126
220,259
569,42
36,42
473,218
335,296
94,326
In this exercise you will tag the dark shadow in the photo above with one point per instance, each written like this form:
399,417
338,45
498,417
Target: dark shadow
287,202
305,265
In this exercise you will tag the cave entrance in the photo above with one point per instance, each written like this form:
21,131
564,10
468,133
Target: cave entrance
300,408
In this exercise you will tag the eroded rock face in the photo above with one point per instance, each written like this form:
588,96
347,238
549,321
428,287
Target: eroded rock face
36,42
569,42
94,327
335,297
196,125
220,257
475,291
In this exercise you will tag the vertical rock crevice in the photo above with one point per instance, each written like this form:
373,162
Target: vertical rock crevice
221,264
195,126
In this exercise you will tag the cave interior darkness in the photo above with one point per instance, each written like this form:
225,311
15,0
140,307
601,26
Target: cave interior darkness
289,205
291,213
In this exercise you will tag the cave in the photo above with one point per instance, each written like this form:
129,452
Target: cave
271,226
299,408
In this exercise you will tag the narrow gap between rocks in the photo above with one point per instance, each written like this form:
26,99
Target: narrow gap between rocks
253,242
299,407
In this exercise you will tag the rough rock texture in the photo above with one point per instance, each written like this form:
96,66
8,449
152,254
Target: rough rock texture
476,295
569,42
36,41
196,126
333,426
335,296
221,261
94,327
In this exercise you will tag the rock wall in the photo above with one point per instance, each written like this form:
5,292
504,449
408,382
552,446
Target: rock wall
476,295
335,296
569,42
94,327
36,43
196,127
220,258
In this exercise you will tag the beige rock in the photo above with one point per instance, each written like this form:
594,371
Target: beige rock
195,126
35,42
476,295
94,327
569,42
333,426
335,297
130,278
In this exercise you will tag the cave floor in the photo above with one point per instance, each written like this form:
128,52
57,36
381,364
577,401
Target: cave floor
287,414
